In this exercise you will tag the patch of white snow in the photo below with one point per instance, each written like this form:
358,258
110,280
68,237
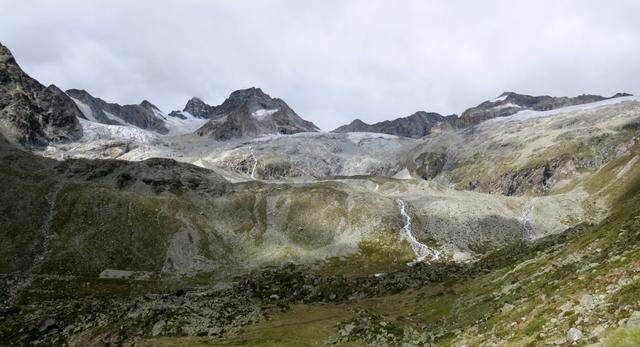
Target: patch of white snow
263,113
85,109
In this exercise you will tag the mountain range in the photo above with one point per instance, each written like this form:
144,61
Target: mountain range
515,223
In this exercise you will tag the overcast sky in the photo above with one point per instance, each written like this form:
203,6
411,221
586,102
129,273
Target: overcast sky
331,61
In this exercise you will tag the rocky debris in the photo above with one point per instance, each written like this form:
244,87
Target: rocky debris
117,320
374,330
144,116
416,125
317,155
30,113
125,274
250,113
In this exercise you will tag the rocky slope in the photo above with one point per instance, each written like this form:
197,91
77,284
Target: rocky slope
144,116
250,113
30,113
417,125
530,152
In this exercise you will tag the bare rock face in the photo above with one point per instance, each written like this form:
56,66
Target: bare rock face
251,112
200,109
30,113
144,116
417,125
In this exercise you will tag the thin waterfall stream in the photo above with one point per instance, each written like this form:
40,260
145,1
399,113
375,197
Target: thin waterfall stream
422,251
255,163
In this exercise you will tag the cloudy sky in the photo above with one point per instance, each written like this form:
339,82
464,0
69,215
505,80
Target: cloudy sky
331,60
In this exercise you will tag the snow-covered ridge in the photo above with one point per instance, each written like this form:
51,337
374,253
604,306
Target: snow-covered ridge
94,130
500,98
178,126
531,114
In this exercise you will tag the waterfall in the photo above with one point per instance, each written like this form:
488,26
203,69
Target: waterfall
255,162
528,229
421,250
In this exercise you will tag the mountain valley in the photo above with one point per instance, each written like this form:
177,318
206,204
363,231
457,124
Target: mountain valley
516,223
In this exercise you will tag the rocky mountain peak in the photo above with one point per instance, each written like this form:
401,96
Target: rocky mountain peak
149,106
253,98
198,108
251,112
31,113
416,125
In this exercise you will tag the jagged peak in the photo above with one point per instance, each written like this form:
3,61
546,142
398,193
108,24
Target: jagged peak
247,93
146,104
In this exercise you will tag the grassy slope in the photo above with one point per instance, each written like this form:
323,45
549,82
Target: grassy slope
537,278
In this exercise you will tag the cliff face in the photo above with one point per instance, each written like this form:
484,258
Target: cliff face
30,113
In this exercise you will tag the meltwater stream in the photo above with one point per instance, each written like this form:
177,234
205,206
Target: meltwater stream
528,229
421,250
255,163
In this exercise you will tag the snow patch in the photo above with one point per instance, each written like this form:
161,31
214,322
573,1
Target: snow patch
358,137
500,98
85,109
199,163
178,126
507,105
114,118
263,113
531,114
403,174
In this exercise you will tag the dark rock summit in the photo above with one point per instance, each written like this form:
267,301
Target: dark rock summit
199,108
30,113
251,112
144,116
417,125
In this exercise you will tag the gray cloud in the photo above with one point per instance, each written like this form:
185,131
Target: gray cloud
330,60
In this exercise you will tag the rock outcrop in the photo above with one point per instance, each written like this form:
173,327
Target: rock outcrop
249,113
144,116
417,125
200,109
30,113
